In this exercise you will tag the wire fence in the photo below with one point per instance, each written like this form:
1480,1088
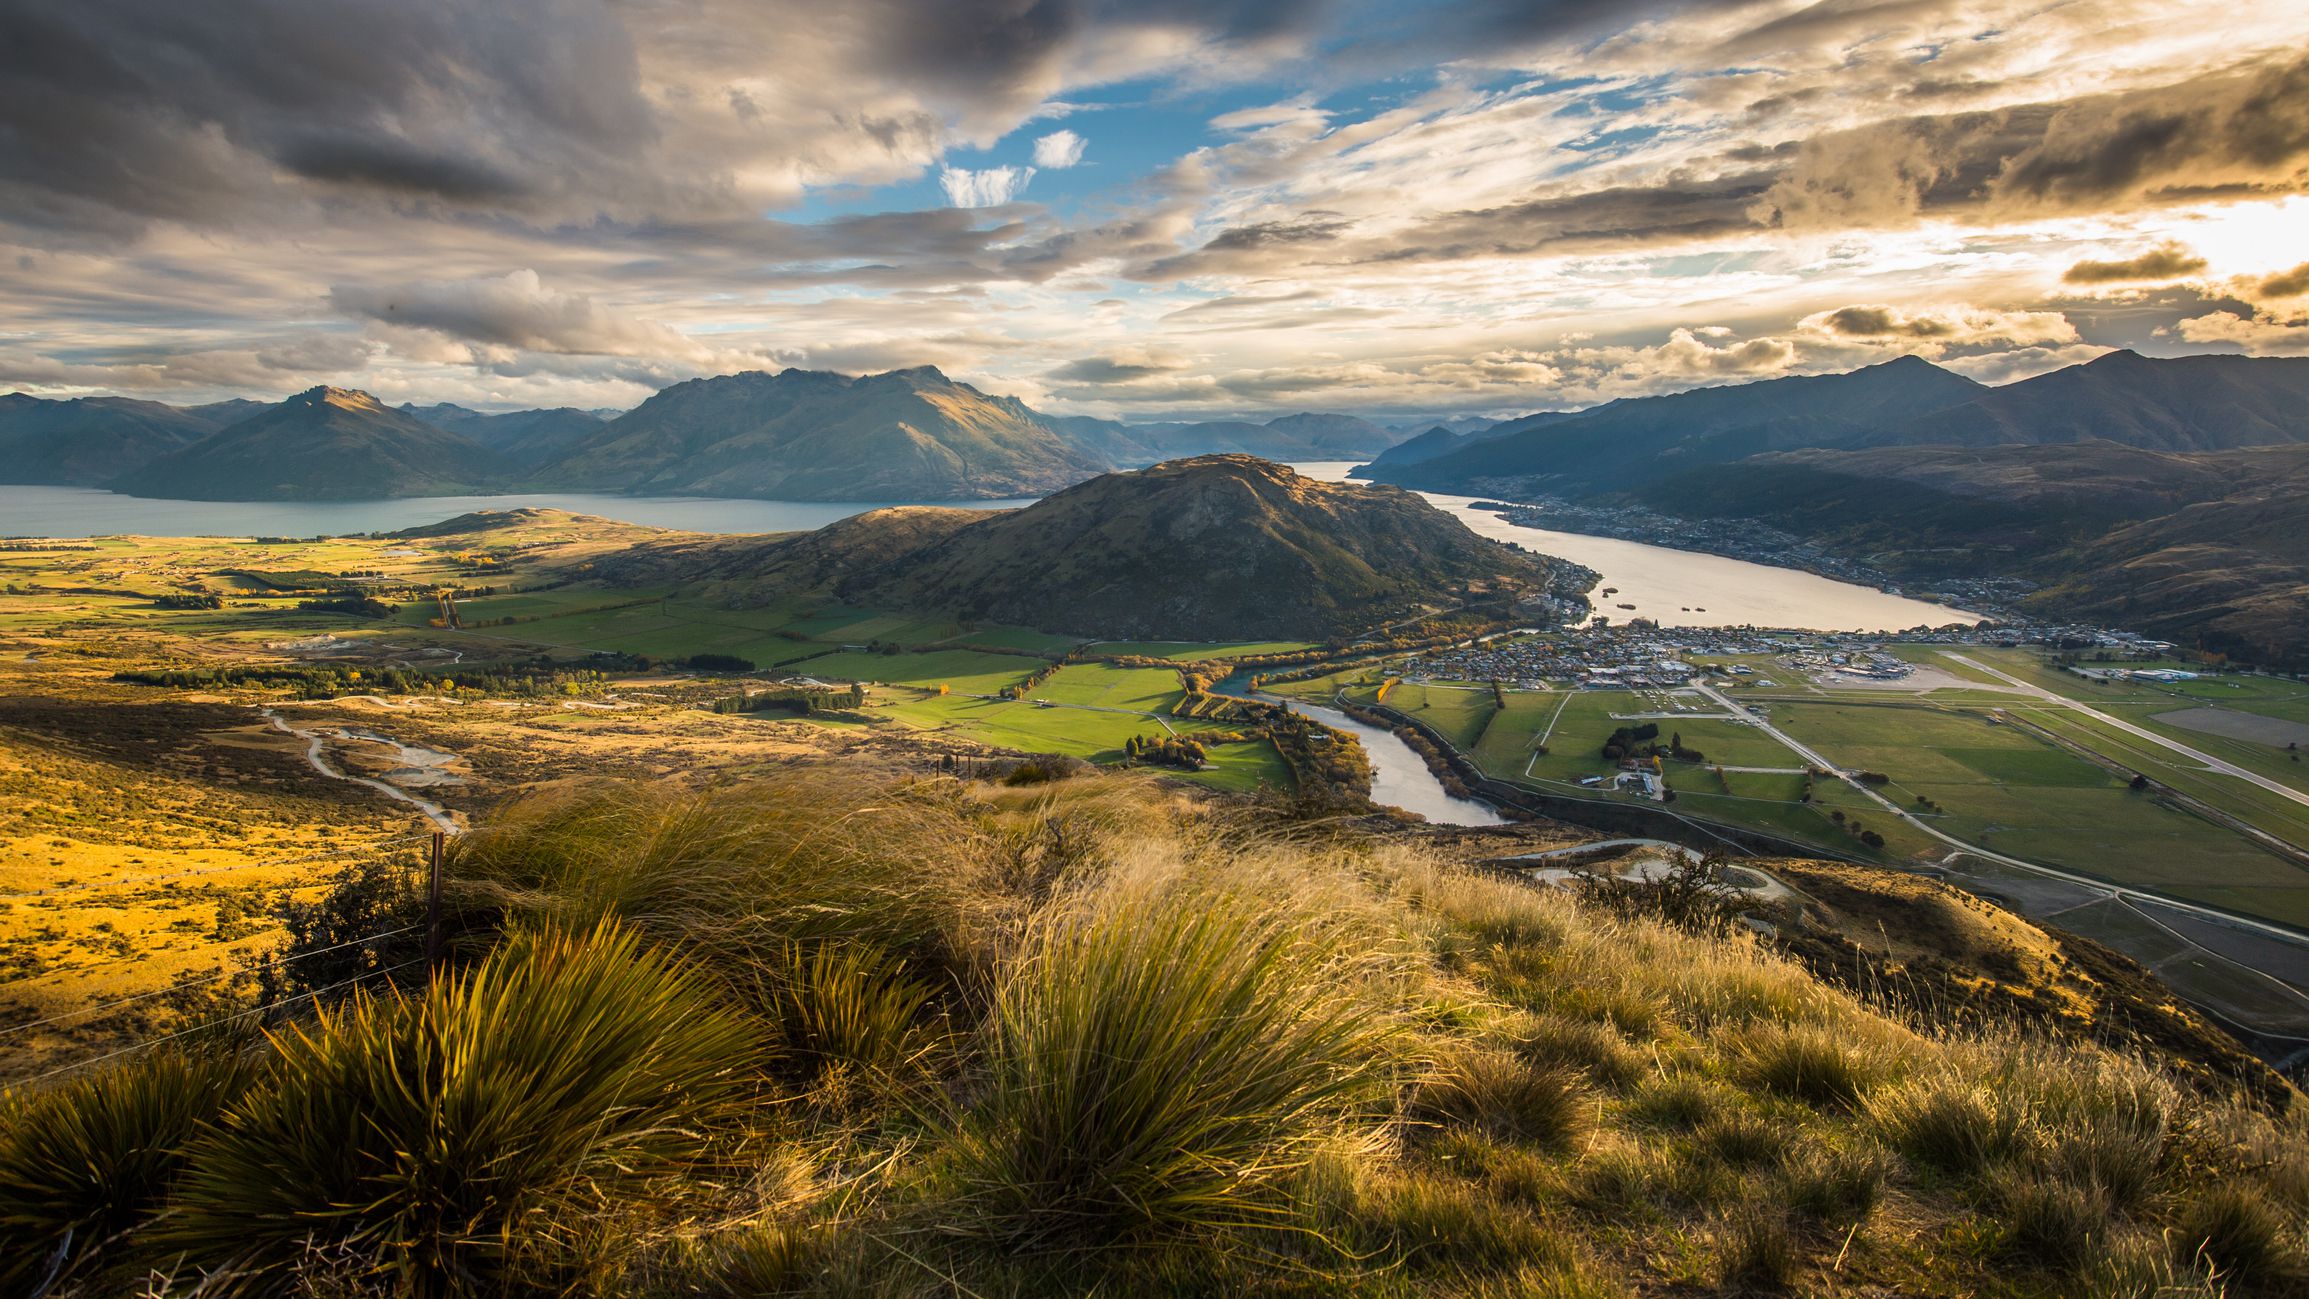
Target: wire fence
277,963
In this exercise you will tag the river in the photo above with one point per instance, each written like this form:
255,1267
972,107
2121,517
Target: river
1684,588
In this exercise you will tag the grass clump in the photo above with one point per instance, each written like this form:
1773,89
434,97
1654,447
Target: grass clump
1813,1064
464,1135
87,1161
2236,1233
1153,1068
845,1006
1502,1096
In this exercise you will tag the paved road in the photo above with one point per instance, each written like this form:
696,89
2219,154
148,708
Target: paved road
2034,868
2210,762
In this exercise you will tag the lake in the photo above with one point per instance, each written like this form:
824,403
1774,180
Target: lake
87,512
1684,588
1676,588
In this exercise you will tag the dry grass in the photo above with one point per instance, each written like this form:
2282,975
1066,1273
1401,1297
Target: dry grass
1091,1037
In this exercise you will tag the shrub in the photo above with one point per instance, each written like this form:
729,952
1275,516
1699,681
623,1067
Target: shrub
90,1159
1154,1067
459,1136
1497,1094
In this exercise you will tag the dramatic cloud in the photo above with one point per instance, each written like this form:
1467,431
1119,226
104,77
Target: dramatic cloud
1058,150
1469,205
2164,262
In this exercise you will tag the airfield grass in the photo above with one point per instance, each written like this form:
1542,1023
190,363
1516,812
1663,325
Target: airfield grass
1196,651
1460,713
2008,791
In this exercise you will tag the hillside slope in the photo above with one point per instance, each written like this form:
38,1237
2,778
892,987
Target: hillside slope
2188,403
328,444
818,436
86,441
1624,443
1212,548
524,438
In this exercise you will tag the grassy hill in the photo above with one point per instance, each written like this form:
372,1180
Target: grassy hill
813,435
836,1031
1213,548
328,444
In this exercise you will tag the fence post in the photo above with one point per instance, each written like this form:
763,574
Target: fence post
433,907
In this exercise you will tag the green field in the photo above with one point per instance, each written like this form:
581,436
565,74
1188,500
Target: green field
1194,651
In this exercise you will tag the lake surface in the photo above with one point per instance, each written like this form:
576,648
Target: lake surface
87,512
1684,588
1676,588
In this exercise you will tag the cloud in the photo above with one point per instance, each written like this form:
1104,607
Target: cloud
1127,365
1058,150
2289,284
991,187
515,311
2264,333
1932,331
2170,261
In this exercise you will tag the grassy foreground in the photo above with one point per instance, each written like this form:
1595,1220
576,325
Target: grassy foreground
830,1032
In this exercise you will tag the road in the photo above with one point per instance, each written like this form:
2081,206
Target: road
2035,868
2210,762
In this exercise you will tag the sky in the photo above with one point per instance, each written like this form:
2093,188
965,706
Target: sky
1197,208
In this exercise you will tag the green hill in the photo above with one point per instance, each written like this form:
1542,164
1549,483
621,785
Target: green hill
817,436
328,444
1212,548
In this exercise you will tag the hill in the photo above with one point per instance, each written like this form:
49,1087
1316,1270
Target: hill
1212,548
524,438
86,441
845,1030
2188,403
1628,442
2201,548
817,436
328,444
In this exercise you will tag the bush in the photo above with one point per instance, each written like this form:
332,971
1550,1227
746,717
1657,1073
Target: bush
457,1137
91,1158
1153,1069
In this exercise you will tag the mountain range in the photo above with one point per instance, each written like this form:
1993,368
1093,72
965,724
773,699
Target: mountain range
2170,496
1212,547
911,434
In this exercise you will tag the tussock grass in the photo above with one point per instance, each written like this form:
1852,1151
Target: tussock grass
84,1163
1498,1094
1155,1064
466,1134
838,1032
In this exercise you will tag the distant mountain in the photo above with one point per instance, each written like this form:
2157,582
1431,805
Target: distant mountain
1305,436
525,438
1458,424
2188,403
225,414
1216,547
818,436
1634,440
85,441
2205,548
328,444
